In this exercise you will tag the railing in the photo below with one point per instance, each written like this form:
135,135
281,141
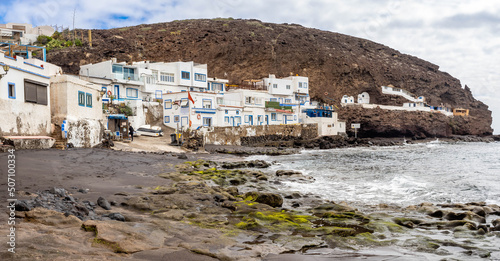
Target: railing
247,86
230,103
126,77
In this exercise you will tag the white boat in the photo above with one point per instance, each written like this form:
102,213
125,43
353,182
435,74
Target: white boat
148,130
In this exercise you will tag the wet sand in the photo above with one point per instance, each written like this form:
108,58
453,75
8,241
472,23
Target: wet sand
102,172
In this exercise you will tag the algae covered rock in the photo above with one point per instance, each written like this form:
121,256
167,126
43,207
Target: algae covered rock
271,199
246,164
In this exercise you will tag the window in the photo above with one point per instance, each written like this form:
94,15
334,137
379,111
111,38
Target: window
226,120
207,104
288,101
117,68
167,119
81,98
132,93
217,87
247,118
168,104
128,73
275,85
300,84
35,92
288,87
88,98
155,76
176,118
167,77
248,100
305,85
12,90
185,75
226,111
207,122
158,94
237,112
258,101
200,77
273,99
184,103
237,121
273,117
260,118
117,91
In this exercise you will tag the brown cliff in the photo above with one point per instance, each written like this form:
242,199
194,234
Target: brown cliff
335,63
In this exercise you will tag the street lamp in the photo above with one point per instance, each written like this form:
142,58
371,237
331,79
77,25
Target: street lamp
5,68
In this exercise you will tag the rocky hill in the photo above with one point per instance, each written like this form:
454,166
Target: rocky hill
336,65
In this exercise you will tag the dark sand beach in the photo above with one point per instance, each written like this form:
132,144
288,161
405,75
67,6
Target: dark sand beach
169,206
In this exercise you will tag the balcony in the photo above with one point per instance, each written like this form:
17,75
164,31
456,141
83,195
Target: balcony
277,106
126,77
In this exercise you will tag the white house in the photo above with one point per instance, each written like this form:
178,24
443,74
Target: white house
364,97
163,77
327,120
183,110
347,99
140,82
25,95
76,106
21,33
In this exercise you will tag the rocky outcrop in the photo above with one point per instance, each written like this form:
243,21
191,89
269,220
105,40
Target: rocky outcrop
383,123
336,64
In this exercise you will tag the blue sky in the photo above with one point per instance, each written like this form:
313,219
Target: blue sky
462,37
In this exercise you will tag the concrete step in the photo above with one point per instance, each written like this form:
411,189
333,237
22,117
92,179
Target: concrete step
30,142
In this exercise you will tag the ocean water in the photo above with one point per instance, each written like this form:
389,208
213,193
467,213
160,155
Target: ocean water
400,176
436,172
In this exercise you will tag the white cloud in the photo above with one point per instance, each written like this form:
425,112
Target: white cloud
459,36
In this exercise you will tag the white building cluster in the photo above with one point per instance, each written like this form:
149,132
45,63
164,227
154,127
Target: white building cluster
413,104
41,101
191,99
35,98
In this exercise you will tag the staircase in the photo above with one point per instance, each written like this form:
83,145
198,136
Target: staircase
61,143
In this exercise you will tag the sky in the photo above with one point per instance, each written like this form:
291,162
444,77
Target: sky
462,37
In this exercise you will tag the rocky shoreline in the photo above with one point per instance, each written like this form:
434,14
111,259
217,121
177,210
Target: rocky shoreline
293,146
211,208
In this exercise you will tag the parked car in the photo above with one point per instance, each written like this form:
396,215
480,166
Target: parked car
148,130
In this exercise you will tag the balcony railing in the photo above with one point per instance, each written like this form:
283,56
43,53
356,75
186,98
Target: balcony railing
278,106
126,77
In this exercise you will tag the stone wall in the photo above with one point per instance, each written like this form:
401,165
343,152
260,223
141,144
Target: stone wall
82,133
252,135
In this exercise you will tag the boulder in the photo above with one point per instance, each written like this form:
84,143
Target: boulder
103,203
280,173
116,216
59,192
455,216
246,164
271,199
23,205
495,225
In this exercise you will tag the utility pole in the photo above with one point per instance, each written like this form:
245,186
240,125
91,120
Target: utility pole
90,38
74,32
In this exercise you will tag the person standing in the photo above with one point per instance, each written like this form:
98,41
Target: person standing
131,132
